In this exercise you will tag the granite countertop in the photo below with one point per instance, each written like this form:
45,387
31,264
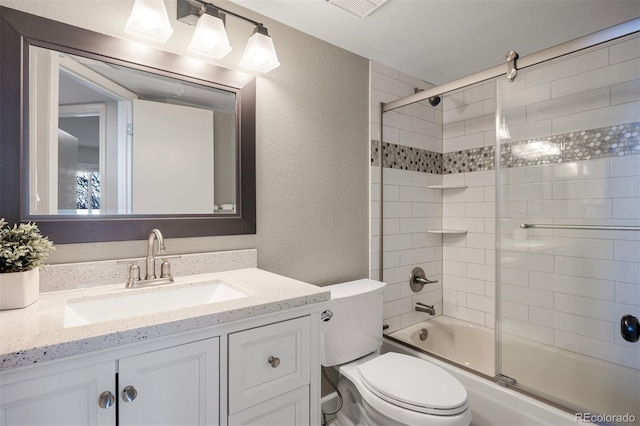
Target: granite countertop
36,334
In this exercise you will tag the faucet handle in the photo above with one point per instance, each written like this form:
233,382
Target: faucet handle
165,266
165,269
134,275
134,271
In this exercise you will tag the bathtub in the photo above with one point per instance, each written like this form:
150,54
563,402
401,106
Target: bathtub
472,346
462,342
565,376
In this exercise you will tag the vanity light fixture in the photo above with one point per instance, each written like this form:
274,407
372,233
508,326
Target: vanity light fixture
260,55
210,38
149,20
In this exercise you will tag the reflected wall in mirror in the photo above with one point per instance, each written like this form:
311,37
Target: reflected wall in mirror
127,141
104,139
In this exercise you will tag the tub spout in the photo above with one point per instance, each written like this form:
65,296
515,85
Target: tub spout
421,307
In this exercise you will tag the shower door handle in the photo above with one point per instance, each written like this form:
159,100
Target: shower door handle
629,328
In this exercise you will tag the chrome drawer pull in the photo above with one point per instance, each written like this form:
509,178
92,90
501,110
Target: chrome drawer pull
274,361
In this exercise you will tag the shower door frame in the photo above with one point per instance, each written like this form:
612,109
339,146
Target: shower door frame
617,31
621,30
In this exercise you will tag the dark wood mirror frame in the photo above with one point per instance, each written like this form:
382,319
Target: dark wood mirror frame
19,30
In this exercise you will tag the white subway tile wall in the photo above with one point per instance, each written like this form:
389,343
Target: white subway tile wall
569,288
410,208
469,260
566,288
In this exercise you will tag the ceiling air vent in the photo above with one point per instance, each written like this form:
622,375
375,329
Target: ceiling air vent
359,8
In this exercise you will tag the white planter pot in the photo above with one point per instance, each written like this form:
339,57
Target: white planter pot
19,289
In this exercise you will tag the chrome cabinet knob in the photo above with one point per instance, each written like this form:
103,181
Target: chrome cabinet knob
129,393
274,361
106,399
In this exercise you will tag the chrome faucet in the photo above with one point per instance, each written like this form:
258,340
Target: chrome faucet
154,235
421,307
150,277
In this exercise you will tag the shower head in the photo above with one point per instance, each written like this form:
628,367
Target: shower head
434,101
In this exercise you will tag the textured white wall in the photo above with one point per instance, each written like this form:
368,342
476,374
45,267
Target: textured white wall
312,148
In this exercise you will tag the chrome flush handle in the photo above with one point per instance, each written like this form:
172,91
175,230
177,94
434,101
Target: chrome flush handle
326,315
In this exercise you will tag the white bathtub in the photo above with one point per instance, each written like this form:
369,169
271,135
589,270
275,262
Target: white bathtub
462,342
578,380
472,346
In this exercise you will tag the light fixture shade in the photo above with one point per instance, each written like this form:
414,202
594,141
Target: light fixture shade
260,55
210,38
149,20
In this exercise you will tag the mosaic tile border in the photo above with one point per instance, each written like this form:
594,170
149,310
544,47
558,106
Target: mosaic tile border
470,160
407,158
604,142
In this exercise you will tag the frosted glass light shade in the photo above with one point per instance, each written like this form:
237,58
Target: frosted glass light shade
149,20
210,38
260,55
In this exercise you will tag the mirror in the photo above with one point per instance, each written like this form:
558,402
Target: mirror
104,139
127,141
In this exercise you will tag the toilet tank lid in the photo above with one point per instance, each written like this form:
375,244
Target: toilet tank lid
354,288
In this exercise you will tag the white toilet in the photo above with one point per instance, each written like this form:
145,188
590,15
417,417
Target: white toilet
388,389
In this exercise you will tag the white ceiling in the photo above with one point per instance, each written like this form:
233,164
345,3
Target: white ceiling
442,40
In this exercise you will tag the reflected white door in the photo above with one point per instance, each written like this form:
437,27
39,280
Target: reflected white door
172,159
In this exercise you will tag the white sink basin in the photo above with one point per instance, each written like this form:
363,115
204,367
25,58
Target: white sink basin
147,302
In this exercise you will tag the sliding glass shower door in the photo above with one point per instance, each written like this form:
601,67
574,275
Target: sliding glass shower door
568,240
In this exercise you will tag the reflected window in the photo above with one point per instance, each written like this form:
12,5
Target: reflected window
88,192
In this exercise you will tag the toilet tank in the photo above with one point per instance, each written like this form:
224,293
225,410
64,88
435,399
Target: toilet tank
355,329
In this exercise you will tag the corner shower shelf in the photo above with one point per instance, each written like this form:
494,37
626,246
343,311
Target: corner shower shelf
447,186
447,231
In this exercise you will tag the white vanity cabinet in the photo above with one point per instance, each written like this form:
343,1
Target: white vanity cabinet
173,386
260,371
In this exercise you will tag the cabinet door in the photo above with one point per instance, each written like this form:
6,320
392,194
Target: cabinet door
174,386
290,409
66,398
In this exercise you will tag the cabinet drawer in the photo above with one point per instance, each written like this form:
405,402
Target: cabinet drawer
290,409
268,361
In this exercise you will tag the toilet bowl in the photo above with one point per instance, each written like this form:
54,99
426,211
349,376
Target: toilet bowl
397,389
388,389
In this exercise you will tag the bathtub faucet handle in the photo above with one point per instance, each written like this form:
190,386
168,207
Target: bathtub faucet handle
418,279
424,281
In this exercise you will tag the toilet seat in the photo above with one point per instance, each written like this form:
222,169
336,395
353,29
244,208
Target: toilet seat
413,384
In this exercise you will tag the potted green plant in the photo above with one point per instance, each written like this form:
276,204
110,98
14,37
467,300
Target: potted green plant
23,249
